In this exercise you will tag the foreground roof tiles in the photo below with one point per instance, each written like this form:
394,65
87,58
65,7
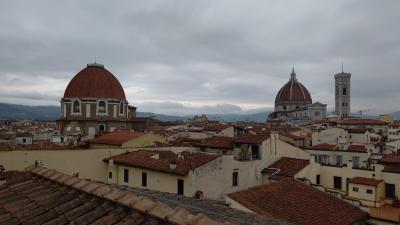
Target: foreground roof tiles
286,167
160,160
365,181
297,203
37,197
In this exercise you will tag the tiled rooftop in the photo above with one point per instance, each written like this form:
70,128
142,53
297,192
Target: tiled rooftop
297,203
362,121
365,181
217,128
117,138
286,167
218,142
43,196
250,139
331,147
160,160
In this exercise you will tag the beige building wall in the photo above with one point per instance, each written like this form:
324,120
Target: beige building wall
89,162
373,199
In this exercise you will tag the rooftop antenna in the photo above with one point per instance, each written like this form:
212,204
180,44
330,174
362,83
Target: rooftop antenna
95,60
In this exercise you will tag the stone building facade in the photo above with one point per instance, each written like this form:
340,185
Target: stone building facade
342,94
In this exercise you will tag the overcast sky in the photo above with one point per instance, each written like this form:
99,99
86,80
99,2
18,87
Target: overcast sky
184,57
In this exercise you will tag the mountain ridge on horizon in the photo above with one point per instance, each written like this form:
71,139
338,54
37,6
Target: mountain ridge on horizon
52,112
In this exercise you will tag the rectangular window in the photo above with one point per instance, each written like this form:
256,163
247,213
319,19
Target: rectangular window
126,175
144,179
337,182
356,161
110,175
235,179
355,189
390,190
255,152
318,179
370,191
339,160
344,91
180,187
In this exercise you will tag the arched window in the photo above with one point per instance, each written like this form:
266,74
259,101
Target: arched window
76,108
102,127
101,107
121,108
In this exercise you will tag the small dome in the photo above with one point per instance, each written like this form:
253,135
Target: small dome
96,82
293,92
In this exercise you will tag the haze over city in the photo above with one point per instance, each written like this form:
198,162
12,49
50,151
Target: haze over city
184,57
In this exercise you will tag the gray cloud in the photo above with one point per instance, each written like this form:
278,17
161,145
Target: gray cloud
202,54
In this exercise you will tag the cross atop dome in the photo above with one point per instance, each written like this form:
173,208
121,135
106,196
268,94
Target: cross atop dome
95,64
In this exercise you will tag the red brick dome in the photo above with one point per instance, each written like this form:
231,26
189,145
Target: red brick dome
293,92
96,82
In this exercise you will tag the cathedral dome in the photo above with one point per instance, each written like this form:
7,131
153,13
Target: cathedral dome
293,93
95,82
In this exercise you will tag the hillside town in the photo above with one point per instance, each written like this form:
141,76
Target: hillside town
99,163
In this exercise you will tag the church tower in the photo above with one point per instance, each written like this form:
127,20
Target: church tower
342,94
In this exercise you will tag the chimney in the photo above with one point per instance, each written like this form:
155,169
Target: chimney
172,164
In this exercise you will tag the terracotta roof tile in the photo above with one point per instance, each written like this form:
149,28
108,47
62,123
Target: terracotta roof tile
218,142
365,181
286,167
31,198
117,138
331,147
250,139
362,121
145,159
87,83
297,203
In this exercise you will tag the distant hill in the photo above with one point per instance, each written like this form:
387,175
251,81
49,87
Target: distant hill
45,113
396,115
51,113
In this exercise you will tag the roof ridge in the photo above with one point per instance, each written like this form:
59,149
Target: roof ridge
142,204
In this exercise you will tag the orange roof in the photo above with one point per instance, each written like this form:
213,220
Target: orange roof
218,128
145,159
95,81
297,203
117,138
365,181
362,121
286,167
218,142
390,159
331,147
250,139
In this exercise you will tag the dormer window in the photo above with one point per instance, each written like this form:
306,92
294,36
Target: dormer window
76,106
101,107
